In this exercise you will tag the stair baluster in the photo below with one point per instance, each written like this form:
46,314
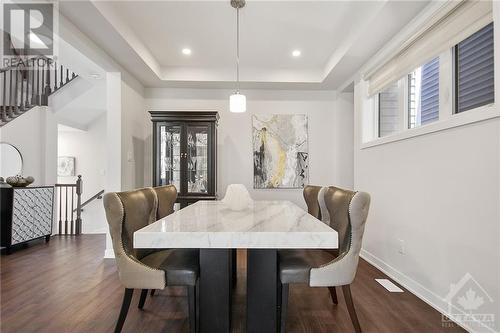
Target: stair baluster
28,84
47,91
42,85
21,101
70,204
11,96
33,84
27,100
55,76
4,101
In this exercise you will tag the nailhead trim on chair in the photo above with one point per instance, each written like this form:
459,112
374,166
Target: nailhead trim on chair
121,243
342,255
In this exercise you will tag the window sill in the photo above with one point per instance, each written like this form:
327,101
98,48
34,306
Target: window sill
468,117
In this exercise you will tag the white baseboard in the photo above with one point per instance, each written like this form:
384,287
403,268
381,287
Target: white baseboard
109,254
417,289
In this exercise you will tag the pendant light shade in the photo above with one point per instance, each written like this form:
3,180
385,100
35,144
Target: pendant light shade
237,101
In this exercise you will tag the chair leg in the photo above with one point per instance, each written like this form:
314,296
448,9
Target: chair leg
144,294
192,308
350,307
127,297
153,292
333,294
284,306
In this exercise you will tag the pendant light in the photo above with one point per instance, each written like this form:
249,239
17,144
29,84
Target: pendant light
237,101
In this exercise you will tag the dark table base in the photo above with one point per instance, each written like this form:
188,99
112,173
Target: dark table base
218,276
262,291
215,290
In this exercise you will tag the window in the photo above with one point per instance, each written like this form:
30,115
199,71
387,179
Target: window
474,74
388,110
423,94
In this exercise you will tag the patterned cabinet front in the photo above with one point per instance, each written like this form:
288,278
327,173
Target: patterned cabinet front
32,213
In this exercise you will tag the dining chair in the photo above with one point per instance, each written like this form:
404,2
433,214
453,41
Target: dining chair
347,212
167,195
145,269
311,194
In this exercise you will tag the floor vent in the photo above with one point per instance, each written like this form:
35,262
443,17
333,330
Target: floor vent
389,285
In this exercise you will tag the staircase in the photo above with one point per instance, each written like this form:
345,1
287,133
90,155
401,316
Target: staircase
28,84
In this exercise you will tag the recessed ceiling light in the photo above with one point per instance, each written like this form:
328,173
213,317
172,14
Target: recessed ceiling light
296,53
95,76
186,51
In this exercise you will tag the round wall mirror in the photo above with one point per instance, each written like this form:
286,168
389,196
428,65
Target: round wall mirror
11,160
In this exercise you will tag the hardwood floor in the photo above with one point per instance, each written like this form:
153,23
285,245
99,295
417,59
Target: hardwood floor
66,286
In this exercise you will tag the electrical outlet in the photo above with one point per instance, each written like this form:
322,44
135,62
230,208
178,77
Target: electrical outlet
401,249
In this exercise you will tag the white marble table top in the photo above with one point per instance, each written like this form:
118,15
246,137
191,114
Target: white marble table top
265,224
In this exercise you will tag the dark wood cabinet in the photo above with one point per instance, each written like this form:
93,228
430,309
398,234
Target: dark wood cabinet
185,153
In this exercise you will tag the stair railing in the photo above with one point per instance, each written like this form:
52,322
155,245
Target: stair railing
98,195
70,207
29,83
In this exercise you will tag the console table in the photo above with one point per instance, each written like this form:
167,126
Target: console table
26,214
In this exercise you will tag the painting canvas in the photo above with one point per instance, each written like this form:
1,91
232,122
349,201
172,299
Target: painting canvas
280,151
65,166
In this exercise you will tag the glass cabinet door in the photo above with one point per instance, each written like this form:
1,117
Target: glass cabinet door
170,156
197,158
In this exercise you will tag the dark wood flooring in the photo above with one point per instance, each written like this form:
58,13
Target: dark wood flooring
66,286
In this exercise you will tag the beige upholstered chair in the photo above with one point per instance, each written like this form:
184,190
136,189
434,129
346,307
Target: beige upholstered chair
346,212
130,211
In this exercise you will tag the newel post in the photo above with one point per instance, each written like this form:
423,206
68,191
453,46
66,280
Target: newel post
79,205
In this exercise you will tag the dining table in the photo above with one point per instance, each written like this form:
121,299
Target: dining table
263,228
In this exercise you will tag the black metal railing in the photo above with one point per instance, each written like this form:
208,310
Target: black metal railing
70,206
28,83
98,195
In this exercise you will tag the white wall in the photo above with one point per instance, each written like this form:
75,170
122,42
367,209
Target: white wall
343,149
90,162
133,136
439,193
35,135
330,133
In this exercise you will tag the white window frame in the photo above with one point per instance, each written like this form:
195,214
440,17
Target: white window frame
447,117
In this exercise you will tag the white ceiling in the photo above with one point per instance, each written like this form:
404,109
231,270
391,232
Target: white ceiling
335,38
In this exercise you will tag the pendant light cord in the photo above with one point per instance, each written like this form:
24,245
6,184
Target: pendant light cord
237,50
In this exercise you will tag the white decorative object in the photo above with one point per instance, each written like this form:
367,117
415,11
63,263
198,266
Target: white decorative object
237,197
237,103
265,225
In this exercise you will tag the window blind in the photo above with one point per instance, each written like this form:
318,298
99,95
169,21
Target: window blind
388,106
430,92
475,70
454,22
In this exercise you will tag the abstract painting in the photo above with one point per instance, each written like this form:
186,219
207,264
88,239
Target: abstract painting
65,166
280,151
